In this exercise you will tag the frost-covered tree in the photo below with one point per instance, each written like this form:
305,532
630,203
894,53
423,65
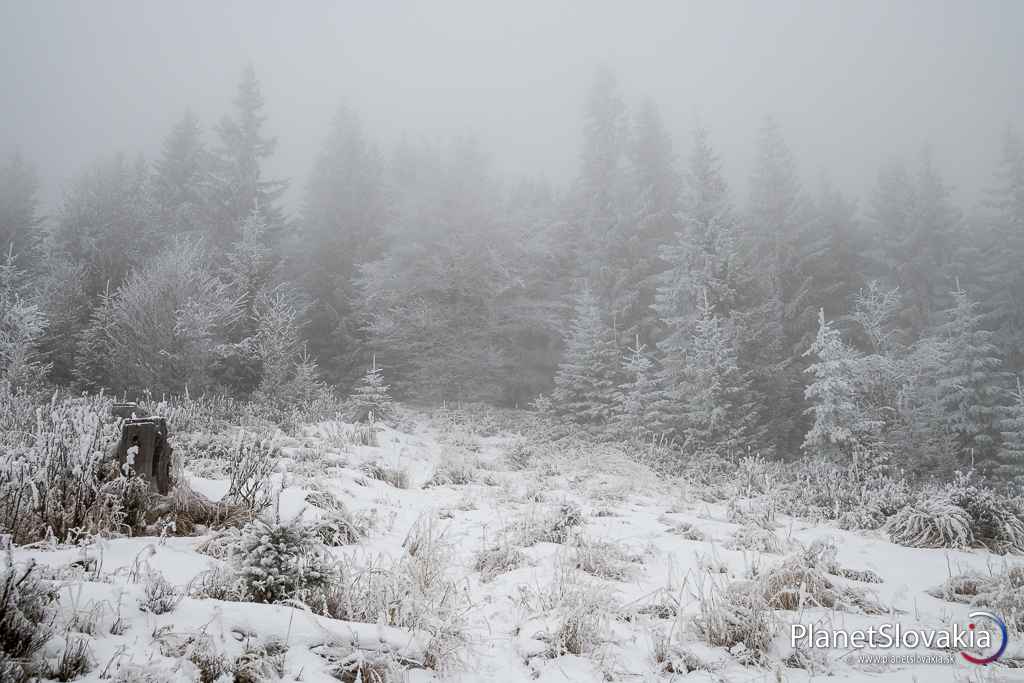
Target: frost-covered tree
160,330
773,324
182,181
589,374
1002,276
239,186
105,228
637,396
287,373
599,219
19,219
343,219
370,398
22,324
968,381
1011,428
437,301
840,423
649,222
713,396
916,226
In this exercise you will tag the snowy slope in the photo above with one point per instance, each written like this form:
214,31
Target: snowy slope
626,572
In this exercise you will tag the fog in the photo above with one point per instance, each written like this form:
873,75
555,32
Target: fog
851,83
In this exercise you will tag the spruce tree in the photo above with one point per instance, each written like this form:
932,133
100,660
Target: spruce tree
1001,271
839,419
22,324
589,375
19,220
773,324
239,187
370,398
342,227
182,180
716,415
637,396
968,380
1011,429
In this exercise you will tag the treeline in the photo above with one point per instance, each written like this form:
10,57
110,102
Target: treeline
643,301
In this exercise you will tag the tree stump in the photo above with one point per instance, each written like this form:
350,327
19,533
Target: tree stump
143,451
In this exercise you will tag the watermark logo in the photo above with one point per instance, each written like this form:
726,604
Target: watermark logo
975,618
986,632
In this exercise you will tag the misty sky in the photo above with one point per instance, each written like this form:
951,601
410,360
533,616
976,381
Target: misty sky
852,82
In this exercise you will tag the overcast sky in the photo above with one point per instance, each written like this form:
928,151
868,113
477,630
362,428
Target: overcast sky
852,82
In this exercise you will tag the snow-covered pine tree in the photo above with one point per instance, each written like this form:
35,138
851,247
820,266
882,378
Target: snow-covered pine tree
839,419
636,396
370,398
701,262
968,380
1011,428
1001,273
589,375
238,182
715,415
182,180
22,324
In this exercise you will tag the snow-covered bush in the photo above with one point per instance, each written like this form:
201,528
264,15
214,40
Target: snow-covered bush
53,471
736,616
159,595
996,519
76,659
802,580
26,619
604,559
250,463
452,471
399,478
497,559
413,592
1001,592
280,561
931,523
756,538
549,524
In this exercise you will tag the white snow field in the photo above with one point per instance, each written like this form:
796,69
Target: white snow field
571,564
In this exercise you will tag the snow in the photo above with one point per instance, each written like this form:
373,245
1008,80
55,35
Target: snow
623,502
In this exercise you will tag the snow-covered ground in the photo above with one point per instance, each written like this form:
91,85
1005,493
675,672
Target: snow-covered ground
627,572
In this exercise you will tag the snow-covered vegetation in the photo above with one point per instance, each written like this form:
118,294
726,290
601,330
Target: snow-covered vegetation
586,558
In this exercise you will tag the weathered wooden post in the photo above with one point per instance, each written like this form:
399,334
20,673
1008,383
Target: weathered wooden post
144,451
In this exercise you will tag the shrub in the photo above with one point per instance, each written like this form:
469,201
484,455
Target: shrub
413,592
603,559
281,561
750,537
250,463
931,523
996,521
548,526
159,596
801,580
498,559
735,616
75,660
399,478
452,472
26,618
1001,592
53,470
